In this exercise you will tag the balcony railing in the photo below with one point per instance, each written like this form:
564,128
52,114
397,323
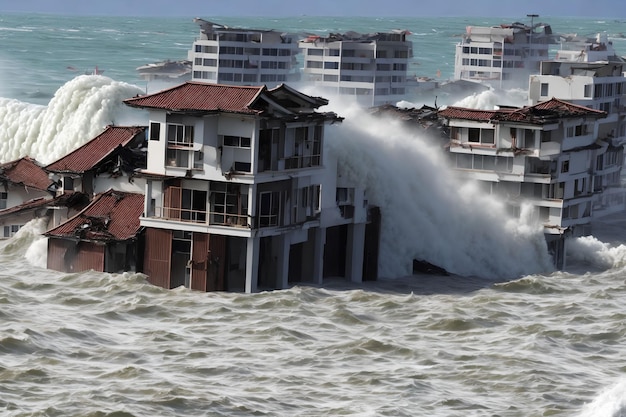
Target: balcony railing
202,217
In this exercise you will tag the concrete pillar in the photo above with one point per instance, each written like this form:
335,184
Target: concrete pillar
318,255
355,245
282,276
252,263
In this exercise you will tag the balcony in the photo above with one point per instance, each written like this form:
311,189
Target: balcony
201,217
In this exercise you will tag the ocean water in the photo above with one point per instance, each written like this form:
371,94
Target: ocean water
504,335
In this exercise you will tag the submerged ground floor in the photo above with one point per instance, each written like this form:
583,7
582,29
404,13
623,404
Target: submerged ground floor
218,262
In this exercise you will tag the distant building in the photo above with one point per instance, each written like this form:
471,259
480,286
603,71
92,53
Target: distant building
601,86
576,48
371,68
241,196
239,56
502,56
543,155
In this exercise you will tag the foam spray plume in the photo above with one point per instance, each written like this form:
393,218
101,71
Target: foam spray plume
79,111
427,213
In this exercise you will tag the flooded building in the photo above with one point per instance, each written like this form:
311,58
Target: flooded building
239,56
601,86
370,68
240,195
543,155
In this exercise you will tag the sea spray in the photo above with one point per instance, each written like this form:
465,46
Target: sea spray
610,403
590,250
79,111
427,213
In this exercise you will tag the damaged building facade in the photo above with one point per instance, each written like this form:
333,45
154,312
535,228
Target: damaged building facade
600,86
239,56
370,68
241,197
543,155
502,56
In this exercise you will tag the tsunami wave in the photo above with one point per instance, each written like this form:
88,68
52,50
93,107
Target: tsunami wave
427,213
79,111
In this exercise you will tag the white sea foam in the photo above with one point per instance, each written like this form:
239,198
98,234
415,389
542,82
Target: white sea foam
610,403
78,112
427,213
490,99
590,250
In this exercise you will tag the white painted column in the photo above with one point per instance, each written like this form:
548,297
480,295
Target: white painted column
354,252
252,264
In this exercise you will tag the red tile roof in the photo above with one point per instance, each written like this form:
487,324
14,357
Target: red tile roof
27,172
452,112
544,112
113,215
28,205
196,96
93,152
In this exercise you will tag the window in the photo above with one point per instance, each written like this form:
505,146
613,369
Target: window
236,141
529,138
565,166
179,135
3,200
473,134
178,158
10,231
229,205
487,137
315,52
331,65
269,207
544,89
588,90
193,205
155,131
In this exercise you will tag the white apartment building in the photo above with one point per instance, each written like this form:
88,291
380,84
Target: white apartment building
370,68
238,56
502,56
543,155
600,86
576,48
241,196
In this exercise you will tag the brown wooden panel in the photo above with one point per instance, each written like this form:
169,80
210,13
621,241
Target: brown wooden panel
57,249
172,201
199,258
88,256
157,256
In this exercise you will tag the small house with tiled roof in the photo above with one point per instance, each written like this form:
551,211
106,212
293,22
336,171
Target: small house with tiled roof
110,160
21,181
104,236
240,195
544,155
